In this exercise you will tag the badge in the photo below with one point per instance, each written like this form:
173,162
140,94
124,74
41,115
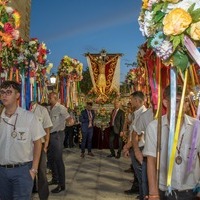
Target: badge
178,160
14,134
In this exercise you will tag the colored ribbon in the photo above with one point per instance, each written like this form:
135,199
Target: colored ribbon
173,89
194,141
177,130
23,104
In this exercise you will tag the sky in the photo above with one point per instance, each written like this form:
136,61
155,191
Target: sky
76,27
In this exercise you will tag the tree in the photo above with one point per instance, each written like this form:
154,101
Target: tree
86,82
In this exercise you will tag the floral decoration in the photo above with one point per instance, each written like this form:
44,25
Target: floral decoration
71,68
9,35
166,23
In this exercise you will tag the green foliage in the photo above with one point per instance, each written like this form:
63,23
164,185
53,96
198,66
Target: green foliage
180,60
86,82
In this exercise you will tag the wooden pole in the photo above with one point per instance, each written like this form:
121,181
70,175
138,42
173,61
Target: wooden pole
159,118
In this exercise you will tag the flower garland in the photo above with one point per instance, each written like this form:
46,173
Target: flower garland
9,34
168,25
71,68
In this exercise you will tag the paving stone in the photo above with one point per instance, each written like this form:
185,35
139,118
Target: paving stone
94,178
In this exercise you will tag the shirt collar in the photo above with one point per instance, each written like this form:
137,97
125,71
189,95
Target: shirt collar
17,111
139,110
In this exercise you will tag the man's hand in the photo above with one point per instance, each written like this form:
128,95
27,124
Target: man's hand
121,134
138,155
70,121
45,147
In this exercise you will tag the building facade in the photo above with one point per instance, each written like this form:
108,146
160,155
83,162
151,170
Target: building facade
24,8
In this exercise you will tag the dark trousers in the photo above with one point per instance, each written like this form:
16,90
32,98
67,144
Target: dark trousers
87,138
55,157
16,183
69,137
112,137
43,188
178,195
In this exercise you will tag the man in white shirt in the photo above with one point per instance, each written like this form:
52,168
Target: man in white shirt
183,182
43,116
59,116
20,145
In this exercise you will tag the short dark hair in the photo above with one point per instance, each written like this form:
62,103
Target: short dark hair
139,94
13,84
166,93
89,103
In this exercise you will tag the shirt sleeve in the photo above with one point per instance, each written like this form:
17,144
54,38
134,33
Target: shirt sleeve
36,129
64,112
47,123
150,140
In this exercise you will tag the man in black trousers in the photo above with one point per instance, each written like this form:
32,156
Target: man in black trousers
116,126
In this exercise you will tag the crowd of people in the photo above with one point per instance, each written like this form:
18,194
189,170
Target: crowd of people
28,150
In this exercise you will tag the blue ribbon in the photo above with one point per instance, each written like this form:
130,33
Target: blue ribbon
172,122
23,104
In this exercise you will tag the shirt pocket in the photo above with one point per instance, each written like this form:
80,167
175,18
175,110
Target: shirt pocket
186,150
22,135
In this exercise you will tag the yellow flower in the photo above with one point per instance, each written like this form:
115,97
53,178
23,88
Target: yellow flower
195,31
176,21
145,4
171,1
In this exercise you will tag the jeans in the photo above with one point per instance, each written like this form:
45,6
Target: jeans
16,183
141,174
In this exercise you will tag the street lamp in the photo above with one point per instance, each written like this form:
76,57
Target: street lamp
53,79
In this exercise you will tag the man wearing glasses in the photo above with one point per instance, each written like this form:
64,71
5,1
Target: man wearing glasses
20,145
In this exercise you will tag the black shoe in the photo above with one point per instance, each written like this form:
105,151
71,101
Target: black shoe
118,155
111,155
130,192
53,182
58,189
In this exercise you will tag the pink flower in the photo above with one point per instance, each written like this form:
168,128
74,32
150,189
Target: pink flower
8,28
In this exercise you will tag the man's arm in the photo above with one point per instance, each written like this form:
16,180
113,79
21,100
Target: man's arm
138,153
152,179
36,157
46,137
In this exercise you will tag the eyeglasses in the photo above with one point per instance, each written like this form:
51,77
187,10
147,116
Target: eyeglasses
7,92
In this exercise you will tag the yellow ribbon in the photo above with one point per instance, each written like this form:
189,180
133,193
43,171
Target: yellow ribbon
159,88
177,130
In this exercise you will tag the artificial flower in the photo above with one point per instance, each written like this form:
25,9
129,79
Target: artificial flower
16,17
15,34
165,50
171,1
8,28
145,4
195,31
6,38
176,22
9,10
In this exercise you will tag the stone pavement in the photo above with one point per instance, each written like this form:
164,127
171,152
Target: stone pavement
94,178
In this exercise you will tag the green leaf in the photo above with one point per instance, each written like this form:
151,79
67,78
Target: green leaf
180,60
159,15
195,15
176,41
191,8
157,7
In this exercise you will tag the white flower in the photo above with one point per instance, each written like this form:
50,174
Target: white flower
9,10
185,4
165,50
151,2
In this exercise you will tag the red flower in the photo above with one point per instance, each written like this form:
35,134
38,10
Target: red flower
8,28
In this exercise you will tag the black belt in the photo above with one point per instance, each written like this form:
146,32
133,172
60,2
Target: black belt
54,132
14,165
